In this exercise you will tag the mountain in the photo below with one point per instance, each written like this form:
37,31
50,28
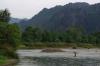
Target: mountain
60,18
15,20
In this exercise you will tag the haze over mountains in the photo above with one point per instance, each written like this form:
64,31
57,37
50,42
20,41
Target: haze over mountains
15,20
60,18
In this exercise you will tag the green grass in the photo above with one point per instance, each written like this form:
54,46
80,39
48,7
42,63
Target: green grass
39,45
2,60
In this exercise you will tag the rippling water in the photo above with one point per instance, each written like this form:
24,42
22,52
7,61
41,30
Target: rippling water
61,61
37,58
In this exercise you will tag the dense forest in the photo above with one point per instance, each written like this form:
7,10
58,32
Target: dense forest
73,36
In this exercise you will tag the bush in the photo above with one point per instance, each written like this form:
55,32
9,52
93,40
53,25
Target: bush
88,46
74,46
2,59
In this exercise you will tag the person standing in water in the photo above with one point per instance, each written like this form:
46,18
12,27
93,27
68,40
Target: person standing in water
75,54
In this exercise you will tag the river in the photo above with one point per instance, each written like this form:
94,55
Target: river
85,57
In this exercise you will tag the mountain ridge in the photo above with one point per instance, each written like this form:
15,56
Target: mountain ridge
59,18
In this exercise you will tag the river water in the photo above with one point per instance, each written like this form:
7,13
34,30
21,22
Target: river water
84,57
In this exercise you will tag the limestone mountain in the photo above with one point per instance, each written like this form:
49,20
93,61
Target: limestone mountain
59,18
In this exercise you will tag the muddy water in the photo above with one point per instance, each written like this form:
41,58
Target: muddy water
38,58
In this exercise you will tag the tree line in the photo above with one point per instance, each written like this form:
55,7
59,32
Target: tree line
74,35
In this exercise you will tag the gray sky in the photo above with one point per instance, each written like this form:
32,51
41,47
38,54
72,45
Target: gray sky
28,8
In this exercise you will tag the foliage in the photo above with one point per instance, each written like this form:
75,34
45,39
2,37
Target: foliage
2,59
10,35
4,15
31,36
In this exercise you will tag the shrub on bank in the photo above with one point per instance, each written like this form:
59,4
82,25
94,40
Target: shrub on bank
39,45
2,59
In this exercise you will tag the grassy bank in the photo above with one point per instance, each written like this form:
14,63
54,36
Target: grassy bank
7,61
39,45
3,59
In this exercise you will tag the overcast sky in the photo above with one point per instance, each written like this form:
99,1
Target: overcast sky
28,8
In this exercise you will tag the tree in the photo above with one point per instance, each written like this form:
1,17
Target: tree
10,35
13,34
4,15
75,34
27,35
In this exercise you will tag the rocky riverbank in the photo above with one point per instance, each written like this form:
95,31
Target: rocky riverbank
52,50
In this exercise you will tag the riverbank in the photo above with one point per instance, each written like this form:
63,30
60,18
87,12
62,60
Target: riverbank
42,45
9,62
81,53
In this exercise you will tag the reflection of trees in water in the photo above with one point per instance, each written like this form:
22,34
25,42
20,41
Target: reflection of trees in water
52,61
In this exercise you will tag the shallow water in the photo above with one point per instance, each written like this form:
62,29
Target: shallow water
38,58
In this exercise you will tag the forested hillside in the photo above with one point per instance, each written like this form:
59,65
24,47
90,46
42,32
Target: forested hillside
60,18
